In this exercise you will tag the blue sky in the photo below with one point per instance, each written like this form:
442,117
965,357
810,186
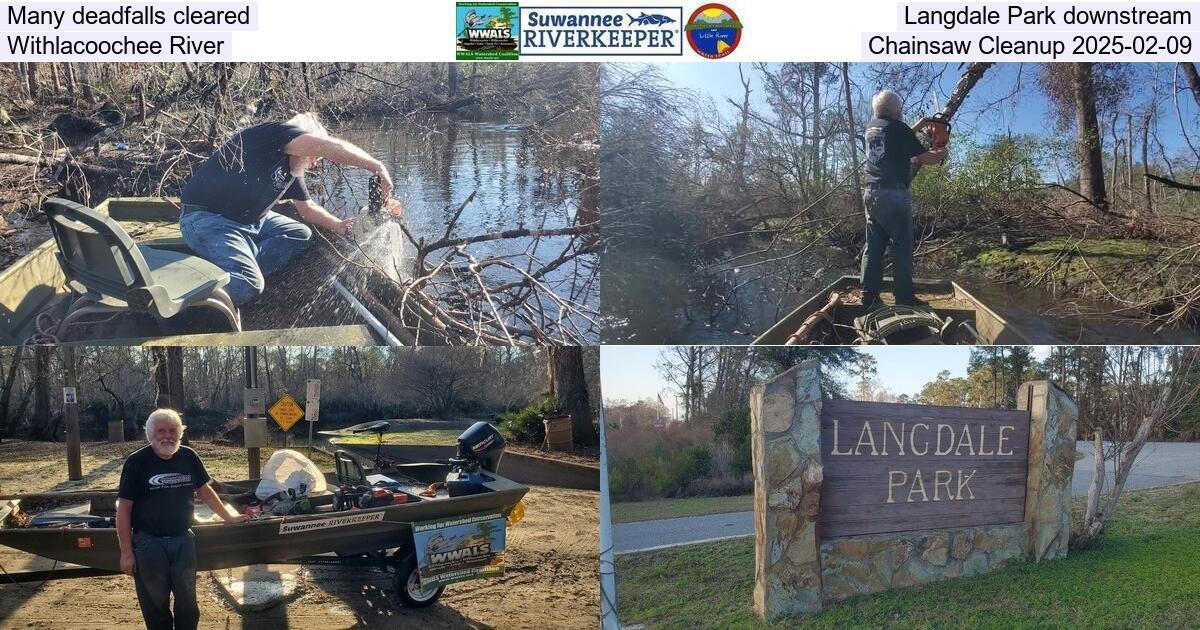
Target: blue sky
991,107
628,373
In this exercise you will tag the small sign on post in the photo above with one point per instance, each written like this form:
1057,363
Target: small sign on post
312,408
69,396
254,401
286,412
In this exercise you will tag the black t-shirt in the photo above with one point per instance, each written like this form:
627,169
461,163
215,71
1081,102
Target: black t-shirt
248,174
162,489
891,145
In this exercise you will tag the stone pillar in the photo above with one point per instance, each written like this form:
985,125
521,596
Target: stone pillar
785,435
1051,465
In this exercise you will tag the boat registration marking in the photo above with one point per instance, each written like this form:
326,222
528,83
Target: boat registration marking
297,527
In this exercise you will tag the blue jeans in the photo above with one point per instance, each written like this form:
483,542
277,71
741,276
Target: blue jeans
248,252
889,221
166,565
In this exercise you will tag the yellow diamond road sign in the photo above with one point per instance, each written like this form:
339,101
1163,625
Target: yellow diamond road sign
286,412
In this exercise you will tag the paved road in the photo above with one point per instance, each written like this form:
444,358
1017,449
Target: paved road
1160,464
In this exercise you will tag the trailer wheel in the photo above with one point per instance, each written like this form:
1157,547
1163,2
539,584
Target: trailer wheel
408,586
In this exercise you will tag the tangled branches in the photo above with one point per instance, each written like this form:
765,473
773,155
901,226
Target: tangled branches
454,295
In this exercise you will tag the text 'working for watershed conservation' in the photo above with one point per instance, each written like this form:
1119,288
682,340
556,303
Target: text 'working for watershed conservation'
1036,32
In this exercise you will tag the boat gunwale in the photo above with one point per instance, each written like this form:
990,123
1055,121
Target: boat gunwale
821,298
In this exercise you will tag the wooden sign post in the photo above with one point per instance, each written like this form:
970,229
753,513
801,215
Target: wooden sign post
859,497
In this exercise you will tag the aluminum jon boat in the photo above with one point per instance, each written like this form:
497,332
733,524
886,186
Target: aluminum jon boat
92,541
836,316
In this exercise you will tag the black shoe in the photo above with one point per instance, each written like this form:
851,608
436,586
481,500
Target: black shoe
912,301
871,301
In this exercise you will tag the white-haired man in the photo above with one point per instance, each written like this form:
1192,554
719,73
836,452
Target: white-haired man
226,215
891,147
154,519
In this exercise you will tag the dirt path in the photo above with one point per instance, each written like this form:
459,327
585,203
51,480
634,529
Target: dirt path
551,578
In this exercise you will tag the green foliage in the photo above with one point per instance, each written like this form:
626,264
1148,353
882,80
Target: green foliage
733,427
979,174
524,426
1144,577
697,464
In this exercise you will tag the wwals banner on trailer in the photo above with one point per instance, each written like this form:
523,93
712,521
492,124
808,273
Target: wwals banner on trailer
458,549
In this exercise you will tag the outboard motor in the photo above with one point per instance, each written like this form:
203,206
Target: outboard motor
479,450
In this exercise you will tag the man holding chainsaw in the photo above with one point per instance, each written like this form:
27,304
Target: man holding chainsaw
891,149
227,215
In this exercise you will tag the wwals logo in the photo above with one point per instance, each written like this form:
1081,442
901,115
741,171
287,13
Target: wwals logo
486,30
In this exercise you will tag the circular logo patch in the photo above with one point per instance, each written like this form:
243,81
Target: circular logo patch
713,30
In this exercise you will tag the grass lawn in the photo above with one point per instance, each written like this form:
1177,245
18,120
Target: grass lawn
428,437
673,508
1090,267
1146,575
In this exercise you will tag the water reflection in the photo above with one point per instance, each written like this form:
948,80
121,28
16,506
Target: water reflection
518,179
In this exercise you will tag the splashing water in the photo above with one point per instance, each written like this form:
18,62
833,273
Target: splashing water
386,247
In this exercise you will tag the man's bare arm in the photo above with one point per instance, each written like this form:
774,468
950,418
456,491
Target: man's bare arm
322,218
125,535
214,502
340,152
935,156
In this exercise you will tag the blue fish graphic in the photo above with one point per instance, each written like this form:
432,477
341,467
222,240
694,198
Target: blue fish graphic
645,20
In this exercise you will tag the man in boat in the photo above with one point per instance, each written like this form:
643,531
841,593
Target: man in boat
891,147
154,518
227,217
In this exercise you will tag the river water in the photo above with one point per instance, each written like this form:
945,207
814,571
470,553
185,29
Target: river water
436,163
710,312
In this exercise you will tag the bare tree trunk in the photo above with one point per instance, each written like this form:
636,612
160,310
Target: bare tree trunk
1193,78
32,82
69,73
307,80
6,395
1091,158
1093,496
1116,157
222,72
817,71
85,81
168,377
1129,157
451,81
571,395
54,78
743,135
1147,200
850,129
40,428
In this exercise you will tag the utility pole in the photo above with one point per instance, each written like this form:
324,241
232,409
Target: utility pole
254,425
71,414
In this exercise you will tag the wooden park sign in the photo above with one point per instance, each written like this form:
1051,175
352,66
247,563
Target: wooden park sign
894,467
860,497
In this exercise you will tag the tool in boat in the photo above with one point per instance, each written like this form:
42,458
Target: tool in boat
901,324
803,335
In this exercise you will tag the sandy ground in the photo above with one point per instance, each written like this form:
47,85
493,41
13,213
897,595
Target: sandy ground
551,578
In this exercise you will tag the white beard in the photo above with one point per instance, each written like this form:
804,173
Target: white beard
165,451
